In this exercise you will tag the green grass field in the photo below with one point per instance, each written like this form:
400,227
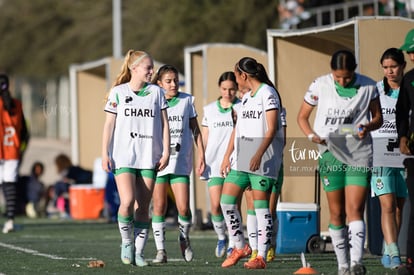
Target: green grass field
46,246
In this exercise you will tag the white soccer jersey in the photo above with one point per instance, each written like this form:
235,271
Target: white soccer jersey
388,128
250,129
335,112
137,139
180,111
220,126
385,139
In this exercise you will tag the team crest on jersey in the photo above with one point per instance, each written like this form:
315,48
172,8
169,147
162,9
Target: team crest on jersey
113,104
379,184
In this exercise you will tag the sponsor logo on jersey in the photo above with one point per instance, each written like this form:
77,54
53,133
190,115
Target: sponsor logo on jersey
252,114
388,127
339,116
220,124
175,118
128,99
388,111
137,135
139,112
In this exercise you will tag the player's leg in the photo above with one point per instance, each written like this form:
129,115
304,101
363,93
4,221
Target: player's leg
124,179
159,206
234,184
251,222
215,185
274,197
261,187
180,186
356,188
143,194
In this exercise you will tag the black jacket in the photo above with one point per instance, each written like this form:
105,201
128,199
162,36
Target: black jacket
404,112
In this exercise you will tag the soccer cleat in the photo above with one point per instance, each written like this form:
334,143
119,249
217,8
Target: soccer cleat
270,254
256,263
344,271
395,262
127,250
358,269
186,250
221,248
386,261
8,226
234,257
140,261
161,257
30,210
253,255
247,251
229,250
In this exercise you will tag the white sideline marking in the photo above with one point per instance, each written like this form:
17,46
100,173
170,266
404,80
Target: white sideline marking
37,253
54,257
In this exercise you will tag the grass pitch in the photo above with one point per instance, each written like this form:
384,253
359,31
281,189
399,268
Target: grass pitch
46,246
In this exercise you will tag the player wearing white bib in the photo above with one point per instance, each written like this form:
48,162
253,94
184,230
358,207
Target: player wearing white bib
348,108
218,122
388,183
135,145
257,141
184,131
251,221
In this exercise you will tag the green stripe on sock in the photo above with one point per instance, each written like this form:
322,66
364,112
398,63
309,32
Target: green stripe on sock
336,227
125,219
227,199
251,212
158,218
184,218
261,204
217,218
142,225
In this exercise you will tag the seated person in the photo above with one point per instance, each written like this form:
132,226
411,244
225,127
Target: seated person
34,190
70,174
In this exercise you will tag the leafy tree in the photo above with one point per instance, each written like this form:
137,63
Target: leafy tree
41,38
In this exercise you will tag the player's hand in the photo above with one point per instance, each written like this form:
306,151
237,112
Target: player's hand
255,162
163,162
201,166
106,164
362,131
225,167
404,149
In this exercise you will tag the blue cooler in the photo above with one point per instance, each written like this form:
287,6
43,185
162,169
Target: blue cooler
298,222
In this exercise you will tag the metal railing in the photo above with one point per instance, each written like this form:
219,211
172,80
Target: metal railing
330,14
